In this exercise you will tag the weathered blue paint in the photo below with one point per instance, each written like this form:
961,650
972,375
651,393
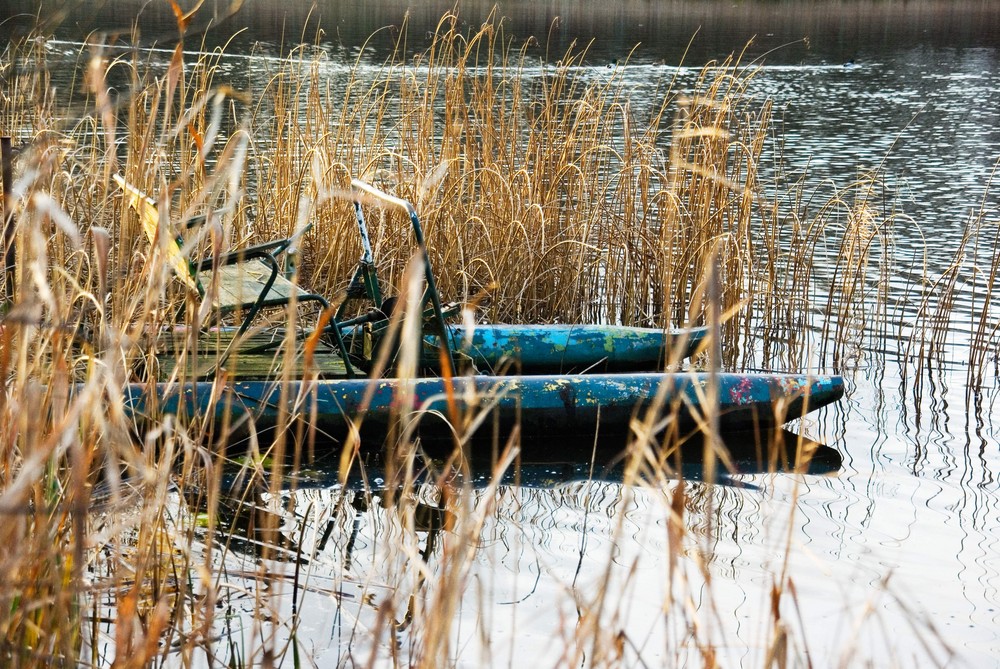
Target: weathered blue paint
562,349
541,405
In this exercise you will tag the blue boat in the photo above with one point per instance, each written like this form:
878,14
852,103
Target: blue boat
492,348
557,405
350,393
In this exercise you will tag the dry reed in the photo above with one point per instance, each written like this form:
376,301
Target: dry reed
538,185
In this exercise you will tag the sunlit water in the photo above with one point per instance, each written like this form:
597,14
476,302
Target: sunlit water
895,556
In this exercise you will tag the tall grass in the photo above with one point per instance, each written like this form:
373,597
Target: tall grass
541,187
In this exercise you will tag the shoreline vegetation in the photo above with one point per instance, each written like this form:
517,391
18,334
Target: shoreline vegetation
546,198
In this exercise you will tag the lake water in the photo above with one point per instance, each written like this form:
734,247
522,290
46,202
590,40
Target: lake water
895,557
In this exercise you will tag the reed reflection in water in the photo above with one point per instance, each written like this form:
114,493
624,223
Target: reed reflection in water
563,552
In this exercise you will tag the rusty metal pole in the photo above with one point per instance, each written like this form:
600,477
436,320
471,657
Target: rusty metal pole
9,254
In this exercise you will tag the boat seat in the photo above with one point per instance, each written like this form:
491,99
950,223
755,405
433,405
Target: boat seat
244,281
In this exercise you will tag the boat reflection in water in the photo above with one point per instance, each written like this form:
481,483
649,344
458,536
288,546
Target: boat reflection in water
251,516
382,545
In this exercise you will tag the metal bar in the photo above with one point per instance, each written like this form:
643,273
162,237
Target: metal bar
367,264
366,244
418,232
442,328
10,254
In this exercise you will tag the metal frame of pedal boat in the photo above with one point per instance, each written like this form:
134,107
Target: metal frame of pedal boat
364,282
276,289
364,285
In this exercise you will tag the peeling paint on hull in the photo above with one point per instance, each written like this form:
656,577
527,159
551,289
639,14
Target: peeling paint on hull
541,405
562,349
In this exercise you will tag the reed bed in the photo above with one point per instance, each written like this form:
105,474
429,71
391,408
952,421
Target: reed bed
546,197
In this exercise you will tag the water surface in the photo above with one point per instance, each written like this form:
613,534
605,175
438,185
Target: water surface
896,553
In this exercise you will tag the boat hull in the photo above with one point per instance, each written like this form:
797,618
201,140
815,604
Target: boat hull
539,405
565,349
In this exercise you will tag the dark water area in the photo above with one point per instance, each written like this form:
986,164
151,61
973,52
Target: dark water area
895,542
665,31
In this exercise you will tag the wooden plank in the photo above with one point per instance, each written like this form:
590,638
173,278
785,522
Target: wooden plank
219,339
259,355
149,216
249,366
175,341
240,284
